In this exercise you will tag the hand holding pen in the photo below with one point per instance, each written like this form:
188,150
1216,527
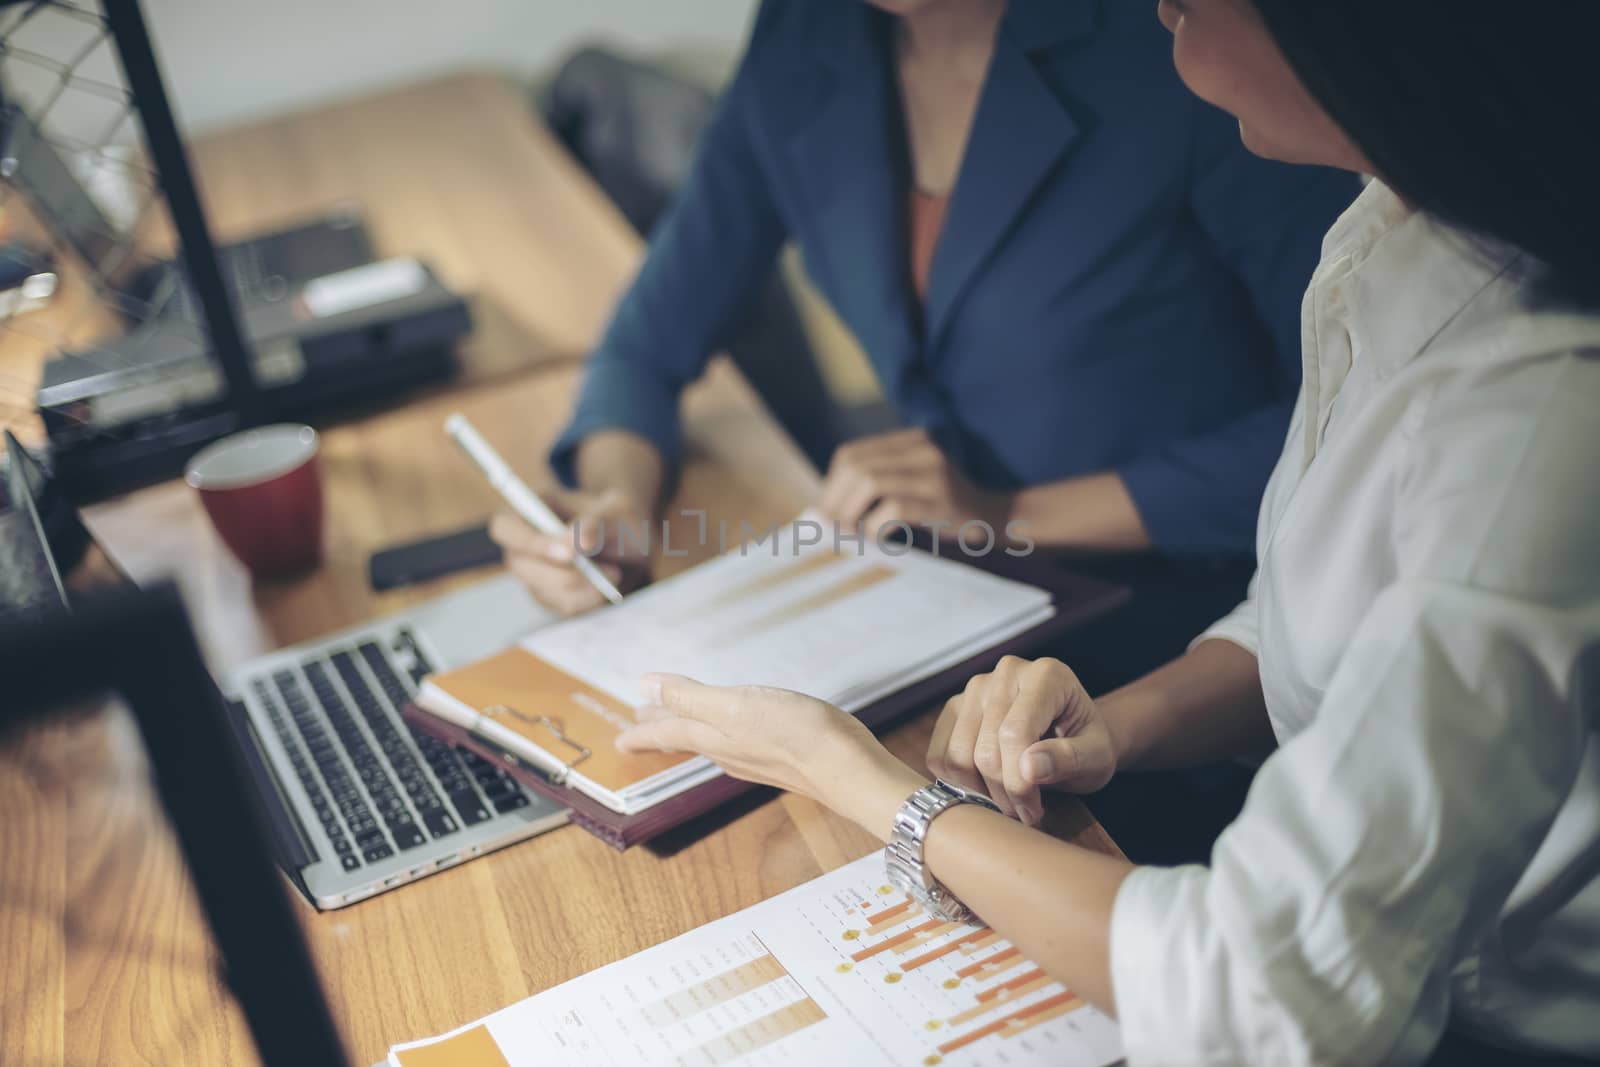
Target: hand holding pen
544,562
568,568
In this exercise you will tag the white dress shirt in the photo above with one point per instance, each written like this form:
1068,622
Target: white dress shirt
1423,844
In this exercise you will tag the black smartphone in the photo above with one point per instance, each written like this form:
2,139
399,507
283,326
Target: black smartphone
434,557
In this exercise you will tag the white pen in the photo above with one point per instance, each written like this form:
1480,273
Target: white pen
524,501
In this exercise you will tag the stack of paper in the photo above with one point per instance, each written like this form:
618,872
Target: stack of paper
849,626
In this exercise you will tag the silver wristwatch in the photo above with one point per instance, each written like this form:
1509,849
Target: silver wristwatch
903,857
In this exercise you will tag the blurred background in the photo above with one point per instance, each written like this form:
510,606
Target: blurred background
234,60
105,365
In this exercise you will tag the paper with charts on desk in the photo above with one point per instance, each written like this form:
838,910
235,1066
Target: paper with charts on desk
841,971
849,625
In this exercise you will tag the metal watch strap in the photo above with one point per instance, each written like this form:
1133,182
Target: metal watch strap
903,857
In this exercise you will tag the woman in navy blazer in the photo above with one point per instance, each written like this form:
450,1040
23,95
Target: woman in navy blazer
1109,343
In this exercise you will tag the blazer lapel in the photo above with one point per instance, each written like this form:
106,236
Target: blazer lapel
1020,134
848,157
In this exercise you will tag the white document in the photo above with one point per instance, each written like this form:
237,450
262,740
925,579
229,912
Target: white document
843,626
849,627
840,971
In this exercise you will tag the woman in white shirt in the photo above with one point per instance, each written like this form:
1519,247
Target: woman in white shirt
1419,657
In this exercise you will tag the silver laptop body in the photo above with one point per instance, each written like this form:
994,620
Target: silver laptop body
366,803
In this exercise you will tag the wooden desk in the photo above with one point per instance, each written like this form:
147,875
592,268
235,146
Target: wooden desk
103,957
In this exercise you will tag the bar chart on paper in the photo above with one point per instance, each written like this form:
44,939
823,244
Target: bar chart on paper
842,970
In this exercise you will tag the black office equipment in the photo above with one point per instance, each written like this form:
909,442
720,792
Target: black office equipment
141,647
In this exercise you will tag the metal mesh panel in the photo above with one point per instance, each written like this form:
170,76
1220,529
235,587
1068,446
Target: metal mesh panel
82,210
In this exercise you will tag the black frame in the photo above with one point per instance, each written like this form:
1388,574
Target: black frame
141,646
199,251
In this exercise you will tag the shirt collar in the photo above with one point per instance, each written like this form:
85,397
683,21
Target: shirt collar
1408,275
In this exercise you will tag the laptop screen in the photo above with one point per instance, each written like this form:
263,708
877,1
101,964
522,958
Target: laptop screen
30,581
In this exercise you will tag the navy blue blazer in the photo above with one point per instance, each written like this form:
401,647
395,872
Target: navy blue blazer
1117,285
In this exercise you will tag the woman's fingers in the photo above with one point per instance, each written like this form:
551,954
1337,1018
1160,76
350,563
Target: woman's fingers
517,538
759,734
939,743
674,716
557,586
863,473
960,764
1045,689
999,696
1082,763
544,564
856,497
847,494
989,737
889,511
671,733
1055,761
722,706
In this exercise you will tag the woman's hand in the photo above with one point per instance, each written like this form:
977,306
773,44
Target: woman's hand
776,737
610,527
1026,724
904,477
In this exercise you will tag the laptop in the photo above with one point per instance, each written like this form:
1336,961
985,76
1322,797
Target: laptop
358,802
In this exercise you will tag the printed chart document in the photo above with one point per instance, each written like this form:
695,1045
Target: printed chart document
843,970
848,626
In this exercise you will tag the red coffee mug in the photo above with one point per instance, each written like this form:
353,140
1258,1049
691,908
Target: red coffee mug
263,491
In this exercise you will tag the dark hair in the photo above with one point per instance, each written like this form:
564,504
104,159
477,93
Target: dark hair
1484,113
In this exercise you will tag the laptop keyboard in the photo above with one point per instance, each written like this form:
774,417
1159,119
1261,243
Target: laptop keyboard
378,786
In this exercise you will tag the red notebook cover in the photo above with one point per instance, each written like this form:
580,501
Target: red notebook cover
1078,600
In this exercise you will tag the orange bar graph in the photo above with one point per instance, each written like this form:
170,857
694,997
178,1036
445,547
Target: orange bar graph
996,1003
857,583
1016,1021
888,913
987,965
944,950
893,920
1001,968
922,937
778,576
898,939
1045,1016
1015,983
982,943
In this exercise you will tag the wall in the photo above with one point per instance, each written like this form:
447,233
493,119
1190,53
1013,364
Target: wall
229,60
232,60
